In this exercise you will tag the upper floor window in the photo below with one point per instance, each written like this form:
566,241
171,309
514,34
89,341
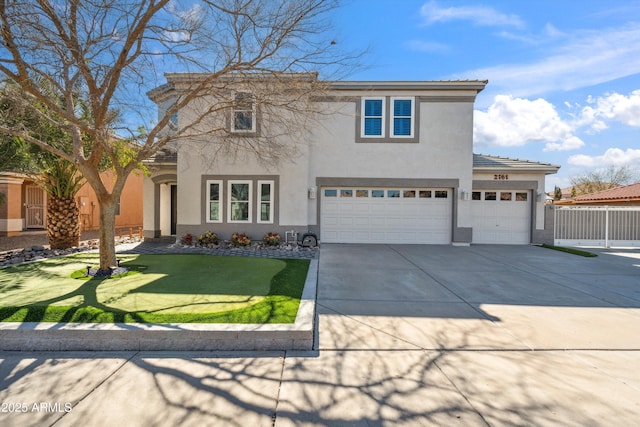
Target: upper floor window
244,113
402,117
388,119
173,121
373,117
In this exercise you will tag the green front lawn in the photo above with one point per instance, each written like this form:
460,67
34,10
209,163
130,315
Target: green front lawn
157,289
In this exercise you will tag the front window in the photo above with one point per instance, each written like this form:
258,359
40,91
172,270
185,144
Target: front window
266,201
239,201
214,198
402,117
244,110
373,117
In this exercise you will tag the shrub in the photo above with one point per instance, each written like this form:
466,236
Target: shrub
240,239
272,239
208,239
187,239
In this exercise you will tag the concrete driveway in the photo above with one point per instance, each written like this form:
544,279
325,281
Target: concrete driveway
408,335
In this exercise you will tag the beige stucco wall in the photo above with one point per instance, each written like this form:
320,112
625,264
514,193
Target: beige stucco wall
329,149
444,150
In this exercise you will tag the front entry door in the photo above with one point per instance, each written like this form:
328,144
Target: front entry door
174,209
35,207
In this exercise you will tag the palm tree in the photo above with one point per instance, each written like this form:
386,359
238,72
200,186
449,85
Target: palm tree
61,181
57,177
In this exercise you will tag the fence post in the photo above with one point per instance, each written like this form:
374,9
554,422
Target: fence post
555,221
606,226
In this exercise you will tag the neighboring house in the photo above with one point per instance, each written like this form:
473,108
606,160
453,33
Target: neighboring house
389,162
627,195
26,204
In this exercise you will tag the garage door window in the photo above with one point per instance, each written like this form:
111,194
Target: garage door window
490,195
346,193
377,193
424,194
505,197
476,195
393,194
330,193
441,194
521,197
362,193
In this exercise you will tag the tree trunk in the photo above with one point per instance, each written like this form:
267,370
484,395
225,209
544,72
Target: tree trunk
63,222
107,234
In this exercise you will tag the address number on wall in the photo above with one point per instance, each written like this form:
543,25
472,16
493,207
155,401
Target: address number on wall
501,176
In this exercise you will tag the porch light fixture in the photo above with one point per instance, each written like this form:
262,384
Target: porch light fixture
313,192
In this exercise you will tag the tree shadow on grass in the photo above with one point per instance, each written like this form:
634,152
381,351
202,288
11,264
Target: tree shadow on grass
285,285
87,311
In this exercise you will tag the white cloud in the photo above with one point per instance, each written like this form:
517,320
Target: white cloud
585,58
511,122
479,15
611,157
616,107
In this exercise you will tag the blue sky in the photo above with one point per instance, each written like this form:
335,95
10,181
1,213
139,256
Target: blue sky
564,75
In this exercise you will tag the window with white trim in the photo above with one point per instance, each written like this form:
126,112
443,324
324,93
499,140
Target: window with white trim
373,118
214,201
265,193
403,117
239,201
244,113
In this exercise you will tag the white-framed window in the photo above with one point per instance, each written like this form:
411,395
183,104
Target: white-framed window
373,118
265,195
402,120
214,201
243,119
239,201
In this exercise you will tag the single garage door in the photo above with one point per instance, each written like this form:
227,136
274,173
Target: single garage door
501,217
380,215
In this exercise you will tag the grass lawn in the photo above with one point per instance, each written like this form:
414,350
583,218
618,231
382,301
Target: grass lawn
157,289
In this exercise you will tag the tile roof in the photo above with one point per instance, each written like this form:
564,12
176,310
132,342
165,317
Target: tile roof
624,193
486,162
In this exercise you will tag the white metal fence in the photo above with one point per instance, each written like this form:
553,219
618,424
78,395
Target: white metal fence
597,226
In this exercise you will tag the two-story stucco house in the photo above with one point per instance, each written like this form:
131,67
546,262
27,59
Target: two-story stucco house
387,162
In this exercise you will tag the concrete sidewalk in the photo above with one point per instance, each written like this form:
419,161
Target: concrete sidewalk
408,335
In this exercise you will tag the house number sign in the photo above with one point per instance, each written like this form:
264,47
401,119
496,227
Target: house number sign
501,176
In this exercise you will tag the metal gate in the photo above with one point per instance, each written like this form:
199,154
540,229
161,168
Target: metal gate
35,207
597,226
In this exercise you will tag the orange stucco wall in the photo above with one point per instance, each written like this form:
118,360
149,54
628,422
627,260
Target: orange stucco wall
130,203
11,209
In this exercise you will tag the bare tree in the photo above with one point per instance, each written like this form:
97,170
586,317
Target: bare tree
115,51
602,179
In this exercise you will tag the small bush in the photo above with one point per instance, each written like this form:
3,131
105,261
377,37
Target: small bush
208,239
240,239
272,239
187,239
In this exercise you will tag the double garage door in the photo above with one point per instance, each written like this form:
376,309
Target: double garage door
501,217
382,215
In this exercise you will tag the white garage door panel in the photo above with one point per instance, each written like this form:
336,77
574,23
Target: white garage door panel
369,219
505,220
